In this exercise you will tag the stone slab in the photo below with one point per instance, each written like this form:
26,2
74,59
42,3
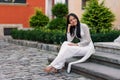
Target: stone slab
108,45
99,70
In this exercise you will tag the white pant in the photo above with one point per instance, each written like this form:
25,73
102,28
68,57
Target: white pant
66,52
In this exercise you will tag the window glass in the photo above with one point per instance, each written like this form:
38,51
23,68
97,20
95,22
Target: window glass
12,1
84,4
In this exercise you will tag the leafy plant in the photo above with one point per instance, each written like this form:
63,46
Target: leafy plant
60,10
39,19
57,23
98,17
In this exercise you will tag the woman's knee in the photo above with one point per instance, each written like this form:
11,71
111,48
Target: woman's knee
65,43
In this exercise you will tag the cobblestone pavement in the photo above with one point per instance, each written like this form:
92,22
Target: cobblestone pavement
25,63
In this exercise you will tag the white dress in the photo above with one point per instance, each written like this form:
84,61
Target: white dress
67,51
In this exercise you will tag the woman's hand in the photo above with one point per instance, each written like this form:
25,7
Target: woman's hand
72,44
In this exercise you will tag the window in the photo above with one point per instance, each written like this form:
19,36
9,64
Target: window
12,1
84,4
7,31
66,1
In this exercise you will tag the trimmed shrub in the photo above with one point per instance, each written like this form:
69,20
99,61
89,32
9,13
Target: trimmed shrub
38,20
98,17
60,10
57,23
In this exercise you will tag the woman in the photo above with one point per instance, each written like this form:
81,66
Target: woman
68,49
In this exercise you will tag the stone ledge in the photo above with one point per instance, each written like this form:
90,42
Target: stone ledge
108,47
34,44
108,59
113,45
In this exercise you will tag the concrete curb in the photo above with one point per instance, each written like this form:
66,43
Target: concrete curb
33,44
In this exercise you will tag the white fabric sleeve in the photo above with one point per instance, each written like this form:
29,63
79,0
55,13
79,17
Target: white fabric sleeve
69,37
85,39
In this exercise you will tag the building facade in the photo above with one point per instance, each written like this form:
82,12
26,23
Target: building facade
16,14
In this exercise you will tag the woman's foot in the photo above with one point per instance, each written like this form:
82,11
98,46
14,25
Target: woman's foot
50,69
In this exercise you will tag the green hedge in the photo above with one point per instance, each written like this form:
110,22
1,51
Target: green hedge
57,37
40,35
105,37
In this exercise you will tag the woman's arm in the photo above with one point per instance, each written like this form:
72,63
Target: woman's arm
69,37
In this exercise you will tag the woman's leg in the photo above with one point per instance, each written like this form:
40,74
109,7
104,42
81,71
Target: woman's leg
59,65
65,52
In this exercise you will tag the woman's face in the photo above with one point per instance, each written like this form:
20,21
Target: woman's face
73,21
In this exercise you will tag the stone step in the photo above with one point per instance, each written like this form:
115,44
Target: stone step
94,70
108,59
108,47
98,70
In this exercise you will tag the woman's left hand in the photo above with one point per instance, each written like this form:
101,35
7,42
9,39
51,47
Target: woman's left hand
72,44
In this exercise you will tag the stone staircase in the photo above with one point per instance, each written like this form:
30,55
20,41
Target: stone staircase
103,65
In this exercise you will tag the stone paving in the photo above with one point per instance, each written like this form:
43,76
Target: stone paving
26,63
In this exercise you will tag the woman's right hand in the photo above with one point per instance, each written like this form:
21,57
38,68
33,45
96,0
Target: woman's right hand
69,25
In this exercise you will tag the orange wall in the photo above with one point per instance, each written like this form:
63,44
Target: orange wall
19,13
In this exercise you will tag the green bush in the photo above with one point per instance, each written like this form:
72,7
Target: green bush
98,17
57,23
38,20
60,10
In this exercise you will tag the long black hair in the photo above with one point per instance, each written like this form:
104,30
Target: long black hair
78,32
